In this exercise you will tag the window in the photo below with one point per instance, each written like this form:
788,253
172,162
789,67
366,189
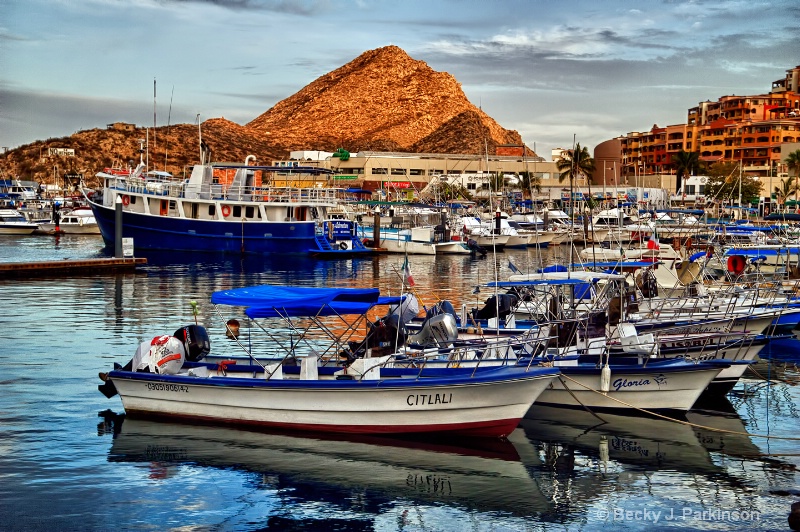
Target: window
379,171
398,171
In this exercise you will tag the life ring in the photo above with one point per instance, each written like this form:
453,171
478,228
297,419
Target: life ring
342,245
736,264
226,210
126,200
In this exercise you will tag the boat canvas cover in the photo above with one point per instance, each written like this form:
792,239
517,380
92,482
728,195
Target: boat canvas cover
268,301
761,252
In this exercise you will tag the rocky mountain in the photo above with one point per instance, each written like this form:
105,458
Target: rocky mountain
173,149
383,101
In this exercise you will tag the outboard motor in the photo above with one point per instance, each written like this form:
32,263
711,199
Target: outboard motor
474,248
195,340
498,306
439,330
387,334
646,282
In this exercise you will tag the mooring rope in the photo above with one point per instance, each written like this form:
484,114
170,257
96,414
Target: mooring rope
689,423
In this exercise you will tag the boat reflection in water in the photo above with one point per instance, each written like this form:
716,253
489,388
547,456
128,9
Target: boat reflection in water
339,469
627,447
561,466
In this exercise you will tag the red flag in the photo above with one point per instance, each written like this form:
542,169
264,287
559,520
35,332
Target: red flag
407,278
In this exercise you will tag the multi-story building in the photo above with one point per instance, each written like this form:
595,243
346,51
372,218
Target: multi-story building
397,175
751,130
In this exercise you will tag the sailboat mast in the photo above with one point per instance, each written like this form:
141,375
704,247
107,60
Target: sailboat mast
154,121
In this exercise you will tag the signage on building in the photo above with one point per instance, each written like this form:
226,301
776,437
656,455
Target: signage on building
397,184
345,177
69,152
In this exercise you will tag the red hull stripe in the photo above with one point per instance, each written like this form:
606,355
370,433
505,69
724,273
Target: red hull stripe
485,429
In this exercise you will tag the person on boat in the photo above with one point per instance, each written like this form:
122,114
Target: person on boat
232,329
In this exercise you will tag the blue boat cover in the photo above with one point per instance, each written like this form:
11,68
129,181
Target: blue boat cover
536,282
275,301
616,264
553,268
757,252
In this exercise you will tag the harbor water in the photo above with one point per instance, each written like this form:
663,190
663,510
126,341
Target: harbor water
71,461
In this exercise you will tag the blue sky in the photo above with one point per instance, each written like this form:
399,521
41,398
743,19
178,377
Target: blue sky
550,70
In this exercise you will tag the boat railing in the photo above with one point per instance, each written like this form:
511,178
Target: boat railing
173,188
472,354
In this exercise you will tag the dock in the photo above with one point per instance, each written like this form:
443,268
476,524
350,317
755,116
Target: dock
78,267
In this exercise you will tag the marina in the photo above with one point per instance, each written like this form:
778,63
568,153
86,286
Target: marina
558,469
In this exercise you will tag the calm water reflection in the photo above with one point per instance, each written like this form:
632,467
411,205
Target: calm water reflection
69,461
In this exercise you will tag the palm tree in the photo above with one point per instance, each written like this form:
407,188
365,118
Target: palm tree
575,163
787,187
527,183
686,163
793,163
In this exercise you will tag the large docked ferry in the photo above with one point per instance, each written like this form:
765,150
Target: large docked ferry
206,212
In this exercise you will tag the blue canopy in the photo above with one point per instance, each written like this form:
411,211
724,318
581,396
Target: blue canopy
273,301
616,264
759,252
697,255
790,216
536,282
693,212
553,268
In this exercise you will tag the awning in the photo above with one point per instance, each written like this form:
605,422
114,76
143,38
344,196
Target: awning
273,301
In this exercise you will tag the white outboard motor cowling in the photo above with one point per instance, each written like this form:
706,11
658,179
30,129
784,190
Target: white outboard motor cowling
439,330
166,355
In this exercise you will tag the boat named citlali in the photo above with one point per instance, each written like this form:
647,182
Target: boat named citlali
168,379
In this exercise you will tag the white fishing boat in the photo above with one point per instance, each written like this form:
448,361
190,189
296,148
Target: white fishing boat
412,241
367,396
473,229
14,223
78,221
668,384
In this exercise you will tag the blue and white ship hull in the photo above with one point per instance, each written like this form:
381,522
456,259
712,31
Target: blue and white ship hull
247,215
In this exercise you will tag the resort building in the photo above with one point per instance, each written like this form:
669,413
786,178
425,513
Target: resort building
400,175
756,131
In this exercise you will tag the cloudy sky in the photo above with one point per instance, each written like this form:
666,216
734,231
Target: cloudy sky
554,71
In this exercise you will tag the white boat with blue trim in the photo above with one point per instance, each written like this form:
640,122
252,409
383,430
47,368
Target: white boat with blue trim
368,396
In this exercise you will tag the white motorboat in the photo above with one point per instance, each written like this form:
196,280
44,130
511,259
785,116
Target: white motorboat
668,384
473,229
14,223
367,396
78,221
